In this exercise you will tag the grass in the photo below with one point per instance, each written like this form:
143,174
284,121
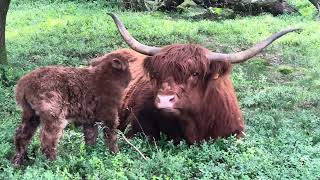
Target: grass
278,92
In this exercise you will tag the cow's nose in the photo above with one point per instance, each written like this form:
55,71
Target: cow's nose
165,101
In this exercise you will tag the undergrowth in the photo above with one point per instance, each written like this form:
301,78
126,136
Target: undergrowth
278,93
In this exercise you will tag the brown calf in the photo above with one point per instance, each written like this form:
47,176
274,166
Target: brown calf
53,96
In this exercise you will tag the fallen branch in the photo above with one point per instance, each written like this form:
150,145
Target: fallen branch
142,155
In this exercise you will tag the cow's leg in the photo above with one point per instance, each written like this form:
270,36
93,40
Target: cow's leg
24,133
190,133
240,134
90,132
51,131
144,122
135,125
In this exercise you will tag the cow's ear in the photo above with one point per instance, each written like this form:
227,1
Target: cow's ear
119,65
220,67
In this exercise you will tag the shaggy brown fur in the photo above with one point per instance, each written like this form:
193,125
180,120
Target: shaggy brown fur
205,101
53,96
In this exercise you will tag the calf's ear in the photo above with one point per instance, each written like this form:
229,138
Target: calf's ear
147,64
119,65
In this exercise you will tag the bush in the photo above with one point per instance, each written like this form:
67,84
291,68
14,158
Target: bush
281,110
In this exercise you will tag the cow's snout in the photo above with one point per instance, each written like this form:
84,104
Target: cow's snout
165,101
166,97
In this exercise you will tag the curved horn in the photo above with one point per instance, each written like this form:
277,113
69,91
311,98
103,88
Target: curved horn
242,56
134,44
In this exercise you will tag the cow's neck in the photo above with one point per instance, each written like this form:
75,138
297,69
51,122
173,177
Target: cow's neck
221,109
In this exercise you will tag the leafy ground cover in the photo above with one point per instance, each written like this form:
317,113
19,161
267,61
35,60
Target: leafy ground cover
278,92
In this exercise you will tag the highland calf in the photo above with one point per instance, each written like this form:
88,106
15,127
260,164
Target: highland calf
53,96
183,90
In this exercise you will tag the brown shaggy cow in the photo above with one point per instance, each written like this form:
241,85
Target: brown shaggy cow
53,96
183,90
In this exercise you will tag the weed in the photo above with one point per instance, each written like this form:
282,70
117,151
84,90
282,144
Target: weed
281,107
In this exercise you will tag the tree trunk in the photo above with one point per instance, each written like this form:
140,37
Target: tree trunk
4,6
169,5
242,7
137,5
250,7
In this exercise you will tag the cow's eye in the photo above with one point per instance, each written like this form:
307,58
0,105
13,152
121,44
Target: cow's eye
154,75
195,74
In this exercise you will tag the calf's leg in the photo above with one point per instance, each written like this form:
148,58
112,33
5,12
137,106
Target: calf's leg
24,133
111,122
51,131
90,132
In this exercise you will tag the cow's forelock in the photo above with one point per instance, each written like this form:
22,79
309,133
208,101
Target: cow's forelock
178,62
180,72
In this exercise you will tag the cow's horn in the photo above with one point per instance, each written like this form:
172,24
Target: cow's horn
242,56
134,44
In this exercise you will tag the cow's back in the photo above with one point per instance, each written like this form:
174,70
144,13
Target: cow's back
137,85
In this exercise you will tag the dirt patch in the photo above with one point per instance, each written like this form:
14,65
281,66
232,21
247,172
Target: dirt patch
274,59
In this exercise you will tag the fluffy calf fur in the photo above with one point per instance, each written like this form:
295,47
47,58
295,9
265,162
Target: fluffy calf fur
53,96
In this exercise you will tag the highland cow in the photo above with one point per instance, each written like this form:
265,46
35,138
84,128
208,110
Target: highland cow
53,96
183,90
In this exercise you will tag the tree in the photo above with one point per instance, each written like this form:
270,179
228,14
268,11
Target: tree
316,3
4,6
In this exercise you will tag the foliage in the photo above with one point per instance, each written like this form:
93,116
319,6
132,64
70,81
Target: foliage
281,109
305,7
